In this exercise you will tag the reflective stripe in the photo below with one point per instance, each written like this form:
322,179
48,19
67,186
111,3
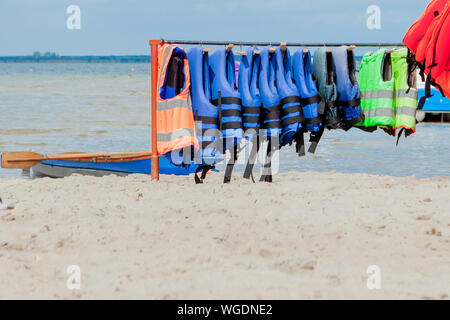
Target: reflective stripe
412,94
378,112
377,94
165,105
177,134
406,111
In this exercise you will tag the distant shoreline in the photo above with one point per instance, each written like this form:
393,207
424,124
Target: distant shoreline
76,59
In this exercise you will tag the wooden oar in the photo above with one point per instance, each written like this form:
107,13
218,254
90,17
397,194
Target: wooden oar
28,159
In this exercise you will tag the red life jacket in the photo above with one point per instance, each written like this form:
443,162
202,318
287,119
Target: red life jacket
418,30
429,40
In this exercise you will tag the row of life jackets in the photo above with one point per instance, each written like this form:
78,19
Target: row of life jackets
429,40
285,95
277,93
388,92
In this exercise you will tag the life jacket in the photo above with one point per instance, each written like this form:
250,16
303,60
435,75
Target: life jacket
248,89
225,95
290,109
251,104
309,96
175,119
437,59
428,39
205,113
347,87
271,117
417,31
324,72
376,82
405,93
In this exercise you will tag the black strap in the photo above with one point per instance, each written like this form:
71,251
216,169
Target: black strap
204,170
256,144
251,110
347,124
314,138
220,109
207,120
427,95
407,131
250,119
400,134
300,143
351,103
273,115
310,100
367,129
332,123
275,108
231,113
313,120
227,100
267,171
232,125
230,165
290,99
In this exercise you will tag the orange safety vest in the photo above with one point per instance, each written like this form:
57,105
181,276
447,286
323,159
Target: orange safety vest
428,39
175,118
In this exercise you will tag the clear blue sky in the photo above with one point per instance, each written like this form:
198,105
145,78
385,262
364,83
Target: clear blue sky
124,26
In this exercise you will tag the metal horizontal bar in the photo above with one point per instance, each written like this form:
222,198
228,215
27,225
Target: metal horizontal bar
291,44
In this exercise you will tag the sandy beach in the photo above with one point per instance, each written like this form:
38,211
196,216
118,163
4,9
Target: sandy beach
306,236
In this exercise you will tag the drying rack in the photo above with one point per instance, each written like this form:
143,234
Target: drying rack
155,43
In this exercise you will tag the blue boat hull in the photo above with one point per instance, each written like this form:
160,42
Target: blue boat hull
142,166
436,103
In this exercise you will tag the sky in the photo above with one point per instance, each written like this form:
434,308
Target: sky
116,27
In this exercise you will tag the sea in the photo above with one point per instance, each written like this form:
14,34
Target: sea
105,107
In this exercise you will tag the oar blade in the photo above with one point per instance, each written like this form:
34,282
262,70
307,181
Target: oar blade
18,155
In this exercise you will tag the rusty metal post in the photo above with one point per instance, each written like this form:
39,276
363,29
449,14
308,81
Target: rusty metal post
154,44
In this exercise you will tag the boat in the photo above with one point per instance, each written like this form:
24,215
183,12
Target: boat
436,108
102,167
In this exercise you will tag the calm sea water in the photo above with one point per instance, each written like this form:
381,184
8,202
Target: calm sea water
106,107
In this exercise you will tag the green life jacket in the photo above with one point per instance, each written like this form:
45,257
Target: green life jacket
376,82
405,93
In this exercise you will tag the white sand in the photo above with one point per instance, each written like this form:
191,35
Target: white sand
308,235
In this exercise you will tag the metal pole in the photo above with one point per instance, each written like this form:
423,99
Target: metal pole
292,44
154,89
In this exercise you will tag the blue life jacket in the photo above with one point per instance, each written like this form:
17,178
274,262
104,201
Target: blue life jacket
223,83
291,111
347,87
205,113
248,88
310,98
271,117
325,74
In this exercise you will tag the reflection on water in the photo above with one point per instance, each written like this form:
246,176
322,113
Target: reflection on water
98,107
